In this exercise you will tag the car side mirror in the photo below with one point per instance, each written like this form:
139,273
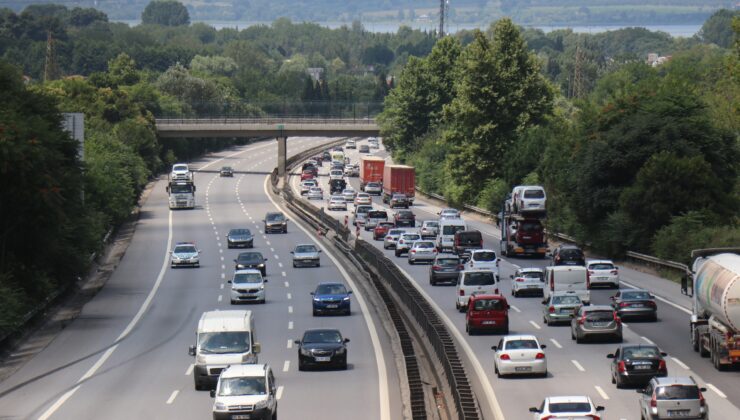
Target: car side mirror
599,408
234,260
702,389
534,410
312,293
297,342
511,277
609,356
349,292
213,393
664,354
319,250
346,340
494,348
264,280
167,189
292,252
229,281
543,346
191,350
640,391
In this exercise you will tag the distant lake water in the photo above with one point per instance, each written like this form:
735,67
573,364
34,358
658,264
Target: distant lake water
673,30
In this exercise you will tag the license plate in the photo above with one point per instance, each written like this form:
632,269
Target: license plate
637,305
323,358
599,324
332,306
602,278
642,367
532,286
522,368
240,417
489,322
678,413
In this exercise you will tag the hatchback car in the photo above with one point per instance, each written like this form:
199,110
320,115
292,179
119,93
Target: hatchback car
399,200
331,298
405,218
307,174
307,184
519,355
483,259
306,255
445,269
449,213
239,238
374,217
185,254
528,281
181,172
673,397
226,171
350,144
275,222
391,238
337,202
573,407
247,286
487,313
636,365
381,230
429,229
635,303
373,188
364,148
425,251
363,198
315,193
251,260
603,273
349,194
336,174
560,307
405,241
322,348
568,255
471,283
360,214
595,321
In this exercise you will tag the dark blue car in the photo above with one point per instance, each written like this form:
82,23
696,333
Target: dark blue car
331,298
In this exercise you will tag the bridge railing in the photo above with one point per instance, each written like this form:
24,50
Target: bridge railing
279,108
264,120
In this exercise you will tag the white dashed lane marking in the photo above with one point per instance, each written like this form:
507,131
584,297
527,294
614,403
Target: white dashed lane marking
578,365
601,392
290,325
555,342
189,370
172,397
286,366
534,324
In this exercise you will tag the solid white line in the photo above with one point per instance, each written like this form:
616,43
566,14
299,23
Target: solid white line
578,365
134,321
534,324
680,363
290,344
649,341
716,390
290,325
286,366
279,392
172,397
515,308
290,309
189,370
601,392
383,389
660,298
556,343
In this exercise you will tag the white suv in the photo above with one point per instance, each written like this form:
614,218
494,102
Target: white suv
181,172
247,286
567,407
245,392
602,273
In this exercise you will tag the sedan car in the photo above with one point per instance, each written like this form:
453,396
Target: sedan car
251,260
391,238
331,298
247,286
239,238
603,273
381,230
425,251
399,200
364,148
322,348
185,254
449,213
405,218
307,184
596,321
315,193
306,255
336,202
574,407
560,307
635,303
636,365
349,194
519,355
373,188
226,171
528,281
363,199
445,269
405,241
275,222
429,229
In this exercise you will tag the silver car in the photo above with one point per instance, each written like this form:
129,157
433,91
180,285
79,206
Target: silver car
391,238
405,241
373,188
595,321
673,397
315,193
422,251
429,229
349,194
374,217
560,307
363,198
449,213
336,202
306,255
528,281
360,214
307,184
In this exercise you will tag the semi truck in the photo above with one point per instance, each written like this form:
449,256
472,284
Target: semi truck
715,319
399,179
521,235
371,170
181,194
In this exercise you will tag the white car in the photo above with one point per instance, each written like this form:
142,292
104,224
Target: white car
449,214
575,407
422,251
374,188
391,238
247,286
404,242
336,174
483,259
181,172
603,273
471,283
315,193
245,391
528,281
307,184
374,144
363,198
519,355
349,194
351,144
185,254
336,202
528,199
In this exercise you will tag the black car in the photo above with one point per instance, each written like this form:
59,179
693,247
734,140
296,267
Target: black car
226,171
251,260
239,238
322,348
399,200
275,222
336,186
568,255
405,218
636,365
635,303
326,157
445,268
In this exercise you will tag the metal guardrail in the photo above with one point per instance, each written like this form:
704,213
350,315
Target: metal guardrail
657,261
265,120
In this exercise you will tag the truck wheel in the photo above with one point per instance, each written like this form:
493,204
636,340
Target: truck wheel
694,339
703,352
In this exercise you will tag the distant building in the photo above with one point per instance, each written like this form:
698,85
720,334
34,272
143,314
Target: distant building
315,73
654,59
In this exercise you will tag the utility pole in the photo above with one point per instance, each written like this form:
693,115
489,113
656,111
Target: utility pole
442,7
51,70
577,87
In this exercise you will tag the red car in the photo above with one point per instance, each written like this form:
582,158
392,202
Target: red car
307,174
487,312
381,229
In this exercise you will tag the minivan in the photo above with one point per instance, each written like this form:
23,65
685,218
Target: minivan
487,312
245,392
373,217
467,240
567,278
673,397
447,230
223,338
471,283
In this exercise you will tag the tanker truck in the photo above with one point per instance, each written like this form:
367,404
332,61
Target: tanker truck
715,320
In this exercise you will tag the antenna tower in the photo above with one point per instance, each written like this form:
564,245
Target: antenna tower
51,69
442,14
577,86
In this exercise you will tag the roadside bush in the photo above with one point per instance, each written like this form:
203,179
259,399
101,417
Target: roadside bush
693,230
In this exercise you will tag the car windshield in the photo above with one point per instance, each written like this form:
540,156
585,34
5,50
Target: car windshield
331,289
522,345
242,386
451,229
239,232
431,224
530,227
394,232
423,244
224,342
405,214
600,316
534,194
181,188
571,253
411,237
385,224
325,336
242,278
601,266
479,279
305,248
226,168
677,392
448,261
180,168
569,407
484,256
533,275
249,257
185,249
566,300
640,353
635,295
274,217
489,305
373,185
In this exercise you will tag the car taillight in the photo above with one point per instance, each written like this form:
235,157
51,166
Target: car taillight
413,251
621,366
653,401
460,267
590,272
540,356
520,279
582,319
701,400
615,272
623,304
462,292
594,417
434,249
651,303
436,267
505,357
617,319
662,366
551,309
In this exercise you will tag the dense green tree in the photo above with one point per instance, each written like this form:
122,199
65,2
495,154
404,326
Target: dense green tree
165,12
718,28
213,65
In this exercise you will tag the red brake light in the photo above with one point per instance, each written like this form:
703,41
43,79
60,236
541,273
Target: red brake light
505,357
594,417
702,402
520,279
662,367
413,251
551,309
462,292
436,267
617,319
621,366
615,272
540,356
582,319
623,304
653,401
434,249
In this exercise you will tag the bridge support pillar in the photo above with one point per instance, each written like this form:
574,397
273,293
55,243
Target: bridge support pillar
282,142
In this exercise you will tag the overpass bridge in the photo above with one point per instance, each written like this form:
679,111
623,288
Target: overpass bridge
279,127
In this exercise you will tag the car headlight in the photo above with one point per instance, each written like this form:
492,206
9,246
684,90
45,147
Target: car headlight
260,404
316,299
341,350
200,359
346,298
219,406
260,265
305,352
262,287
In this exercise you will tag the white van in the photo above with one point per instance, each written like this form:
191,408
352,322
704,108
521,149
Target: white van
529,199
478,282
223,338
245,392
567,278
447,229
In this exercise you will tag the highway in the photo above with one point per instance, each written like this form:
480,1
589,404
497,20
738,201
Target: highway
574,369
126,356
